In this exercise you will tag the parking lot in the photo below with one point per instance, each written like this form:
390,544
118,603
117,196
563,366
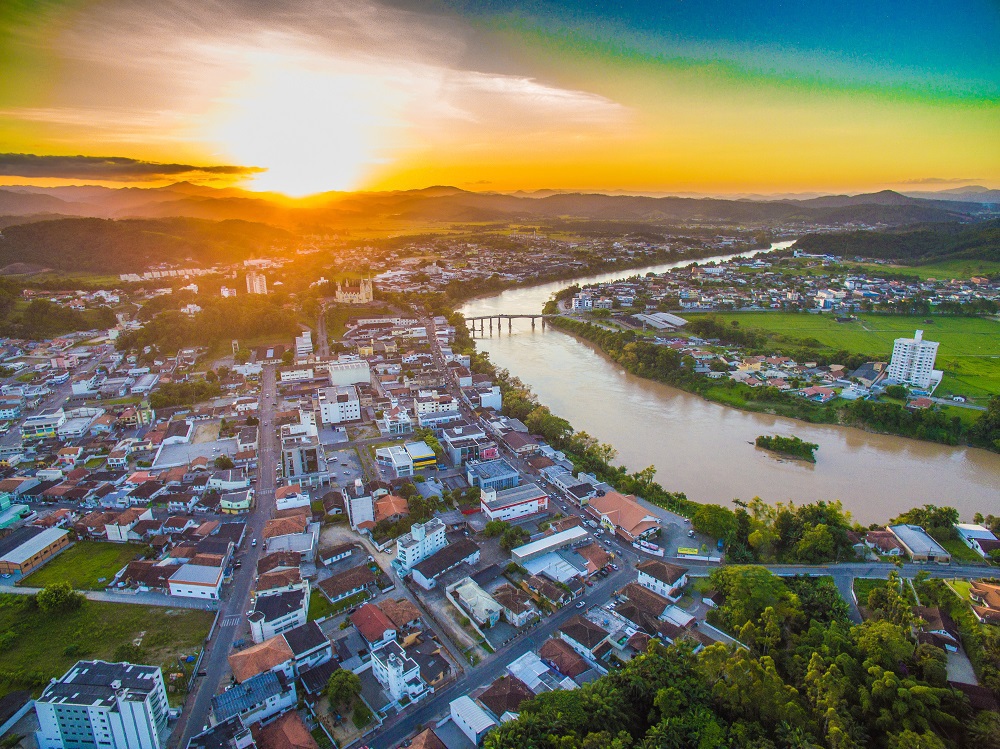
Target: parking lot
345,466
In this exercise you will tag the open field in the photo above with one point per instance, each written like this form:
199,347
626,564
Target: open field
84,564
943,271
969,353
39,646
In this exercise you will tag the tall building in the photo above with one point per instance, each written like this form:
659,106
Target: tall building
256,283
913,360
423,540
303,345
99,704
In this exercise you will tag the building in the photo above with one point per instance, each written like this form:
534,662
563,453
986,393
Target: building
476,602
363,293
277,613
359,505
196,581
373,625
28,548
108,705
398,674
271,655
256,283
291,496
471,719
256,699
339,404
493,475
420,455
504,696
515,604
350,582
303,345
913,361
423,540
978,538
662,578
510,504
235,503
43,425
303,459
548,544
344,373
426,573
918,544
395,460
582,635
623,515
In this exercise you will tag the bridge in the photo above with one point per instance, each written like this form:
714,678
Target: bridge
483,319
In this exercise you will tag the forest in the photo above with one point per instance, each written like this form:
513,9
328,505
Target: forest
804,678
913,245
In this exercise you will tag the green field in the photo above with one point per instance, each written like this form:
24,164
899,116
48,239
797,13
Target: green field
84,564
969,353
943,271
36,646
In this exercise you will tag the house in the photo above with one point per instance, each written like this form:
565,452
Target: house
504,696
515,605
275,613
398,673
562,657
937,628
310,647
978,538
336,553
373,625
256,699
623,515
286,732
271,655
662,578
118,529
229,481
402,613
350,582
426,573
291,496
427,739
476,602
471,719
583,635
390,508
236,503
883,543
985,601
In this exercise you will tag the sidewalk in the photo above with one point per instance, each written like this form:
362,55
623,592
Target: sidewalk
141,599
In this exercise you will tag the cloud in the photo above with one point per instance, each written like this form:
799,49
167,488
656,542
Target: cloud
941,180
111,168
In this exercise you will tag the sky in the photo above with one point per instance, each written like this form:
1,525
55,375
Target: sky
306,96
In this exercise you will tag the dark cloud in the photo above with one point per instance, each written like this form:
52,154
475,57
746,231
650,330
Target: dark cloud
941,180
114,168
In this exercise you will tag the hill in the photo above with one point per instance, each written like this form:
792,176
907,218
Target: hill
131,245
915,245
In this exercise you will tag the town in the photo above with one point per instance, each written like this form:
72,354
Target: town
370,551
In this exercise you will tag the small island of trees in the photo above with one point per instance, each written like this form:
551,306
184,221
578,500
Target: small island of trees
790,446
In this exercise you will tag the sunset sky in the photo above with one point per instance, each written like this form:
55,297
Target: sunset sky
659,95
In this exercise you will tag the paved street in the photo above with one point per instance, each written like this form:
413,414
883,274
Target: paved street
233,617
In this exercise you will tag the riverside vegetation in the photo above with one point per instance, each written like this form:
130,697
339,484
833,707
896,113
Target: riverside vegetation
792,446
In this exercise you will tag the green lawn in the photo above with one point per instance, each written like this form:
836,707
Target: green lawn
943,271
320,607
969,352
960,552
37,647
84,564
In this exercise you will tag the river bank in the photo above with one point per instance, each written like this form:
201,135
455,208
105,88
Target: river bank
700,448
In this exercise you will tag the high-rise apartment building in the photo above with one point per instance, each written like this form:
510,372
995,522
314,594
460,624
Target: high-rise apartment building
913,360
256,283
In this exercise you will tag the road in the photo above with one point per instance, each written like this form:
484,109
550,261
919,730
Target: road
215,663
395,730
322,339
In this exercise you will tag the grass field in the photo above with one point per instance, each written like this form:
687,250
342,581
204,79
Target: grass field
943,271
37,646
969,352
84,564
320,606
960,552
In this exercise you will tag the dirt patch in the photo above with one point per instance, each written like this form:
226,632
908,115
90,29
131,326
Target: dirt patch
206,432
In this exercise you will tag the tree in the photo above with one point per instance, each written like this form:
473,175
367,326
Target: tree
224,463
513,537
343,688
287,358
495,528
58,598
714,520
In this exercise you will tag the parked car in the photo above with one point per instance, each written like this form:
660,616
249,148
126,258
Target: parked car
581,604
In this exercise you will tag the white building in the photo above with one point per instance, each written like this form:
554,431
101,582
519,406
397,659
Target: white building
108,705
662,578
471,719
423,540
303,345
510,504
339,404
349,372
913,361
196,581
358,504
978,538
256,283
398,674
278,612
394,459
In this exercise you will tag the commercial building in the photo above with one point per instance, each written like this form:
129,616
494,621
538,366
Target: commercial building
339,404
303,345
548,544
30,547
421,455
623,515
918,544
913,361
277,613
471,719
303,460
423,540
107,705
344,373
43,425
510,504
978,538
492,474
196,581
395,460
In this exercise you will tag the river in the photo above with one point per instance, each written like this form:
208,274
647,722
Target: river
701,448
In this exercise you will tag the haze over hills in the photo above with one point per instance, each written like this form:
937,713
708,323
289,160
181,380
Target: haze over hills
443,203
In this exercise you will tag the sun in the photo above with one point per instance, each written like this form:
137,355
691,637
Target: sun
312,130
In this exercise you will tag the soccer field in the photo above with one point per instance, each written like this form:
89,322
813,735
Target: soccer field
969,352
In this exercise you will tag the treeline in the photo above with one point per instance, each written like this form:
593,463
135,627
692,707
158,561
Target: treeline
132,245
793,446
645,359
42,319
807,679
220,320
184,393
914,245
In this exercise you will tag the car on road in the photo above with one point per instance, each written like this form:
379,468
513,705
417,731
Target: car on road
581,604
690,534
253,543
